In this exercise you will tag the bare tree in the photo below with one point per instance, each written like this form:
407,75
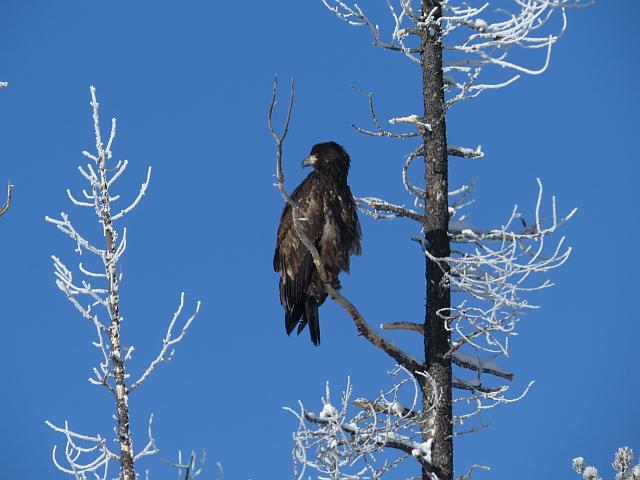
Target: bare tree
622,464
96,296
489,272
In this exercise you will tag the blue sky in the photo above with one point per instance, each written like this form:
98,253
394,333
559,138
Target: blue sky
190,84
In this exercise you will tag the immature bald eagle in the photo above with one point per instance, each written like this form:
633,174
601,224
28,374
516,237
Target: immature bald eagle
327,215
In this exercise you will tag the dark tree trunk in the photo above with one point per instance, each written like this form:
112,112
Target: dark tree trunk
438,295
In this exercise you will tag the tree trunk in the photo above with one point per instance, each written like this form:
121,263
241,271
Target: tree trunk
438,295
121,393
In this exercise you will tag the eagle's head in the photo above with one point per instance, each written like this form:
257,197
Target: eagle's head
329,157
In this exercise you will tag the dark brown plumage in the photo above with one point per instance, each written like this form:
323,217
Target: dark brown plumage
328,217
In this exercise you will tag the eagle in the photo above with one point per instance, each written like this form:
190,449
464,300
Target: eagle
328,217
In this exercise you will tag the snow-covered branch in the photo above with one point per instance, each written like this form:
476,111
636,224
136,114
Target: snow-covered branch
190,469
493,271
467,475
381,131
404,18
622,464
477,37
95,293
465,152
169,340
345,445
473,37
379,209
77,448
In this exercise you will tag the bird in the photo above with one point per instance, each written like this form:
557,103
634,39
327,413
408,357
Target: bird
328,216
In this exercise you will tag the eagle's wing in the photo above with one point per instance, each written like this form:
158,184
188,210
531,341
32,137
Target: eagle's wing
291,257
341,235
349,217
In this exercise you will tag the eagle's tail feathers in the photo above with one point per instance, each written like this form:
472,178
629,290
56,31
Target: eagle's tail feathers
293,316
304,312
303,323
311,311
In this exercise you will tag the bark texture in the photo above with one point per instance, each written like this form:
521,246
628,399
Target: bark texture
438,294
121,393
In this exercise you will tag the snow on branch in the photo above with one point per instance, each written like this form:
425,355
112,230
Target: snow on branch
473,37
99,457
622,464
479,365
381,209
476,37
78,446
186,470
345,445
354,16
422,127
95,293
464,152
493,271
467,475
169,340
381,131
479,400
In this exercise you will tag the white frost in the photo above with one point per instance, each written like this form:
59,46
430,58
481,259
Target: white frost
328,411
423,451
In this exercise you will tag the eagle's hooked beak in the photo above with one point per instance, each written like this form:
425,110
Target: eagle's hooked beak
309,161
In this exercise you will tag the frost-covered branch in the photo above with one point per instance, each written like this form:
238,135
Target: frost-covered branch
345,445
467,475
481,366
354,16
7,202
168,341
95,293
186,470
622,464
464,152
474,37
379,209
493,271
479,400
381,131
482,36
77,448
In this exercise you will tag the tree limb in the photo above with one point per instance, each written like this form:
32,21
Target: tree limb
7,203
